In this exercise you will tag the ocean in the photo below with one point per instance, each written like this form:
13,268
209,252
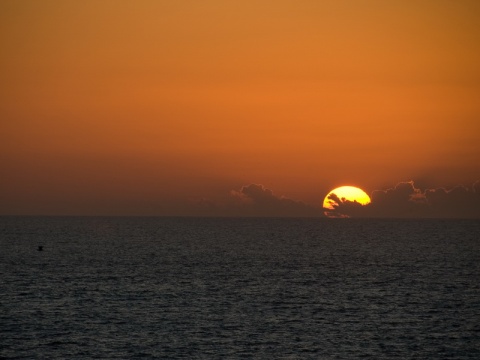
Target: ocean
232,288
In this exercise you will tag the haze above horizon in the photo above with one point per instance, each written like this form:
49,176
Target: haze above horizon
233,108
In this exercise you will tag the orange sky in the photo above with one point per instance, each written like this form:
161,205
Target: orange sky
146,107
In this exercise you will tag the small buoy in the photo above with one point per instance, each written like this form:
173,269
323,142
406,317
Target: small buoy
40,248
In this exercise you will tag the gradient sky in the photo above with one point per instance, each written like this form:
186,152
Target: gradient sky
177,107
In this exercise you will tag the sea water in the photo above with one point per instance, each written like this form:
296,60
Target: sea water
228,288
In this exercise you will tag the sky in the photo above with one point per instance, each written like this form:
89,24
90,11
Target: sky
239,108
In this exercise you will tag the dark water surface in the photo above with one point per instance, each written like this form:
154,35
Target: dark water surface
239,288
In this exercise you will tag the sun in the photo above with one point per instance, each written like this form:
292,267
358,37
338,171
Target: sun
344,200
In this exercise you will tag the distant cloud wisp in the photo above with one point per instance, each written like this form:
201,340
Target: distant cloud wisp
256,200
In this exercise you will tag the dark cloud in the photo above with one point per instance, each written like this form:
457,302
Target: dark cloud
405,200
459,201
256,200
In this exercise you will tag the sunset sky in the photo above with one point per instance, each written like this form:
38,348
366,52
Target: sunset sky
221,107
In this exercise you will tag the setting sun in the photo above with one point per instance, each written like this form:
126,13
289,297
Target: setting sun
341,196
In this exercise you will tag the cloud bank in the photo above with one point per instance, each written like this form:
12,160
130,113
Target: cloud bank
256,200
406,201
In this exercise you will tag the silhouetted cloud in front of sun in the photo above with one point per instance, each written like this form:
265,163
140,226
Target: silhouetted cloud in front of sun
344,208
